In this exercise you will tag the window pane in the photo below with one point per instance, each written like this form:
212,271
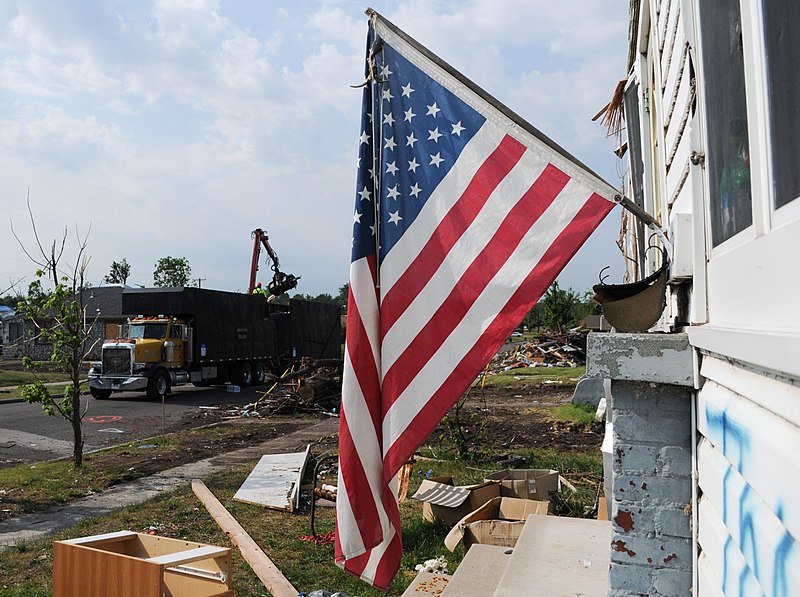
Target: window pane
783,71
727,152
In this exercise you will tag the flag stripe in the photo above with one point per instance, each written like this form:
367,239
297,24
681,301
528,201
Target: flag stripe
482,270
455,347
463,253
535,284
452,226
449,191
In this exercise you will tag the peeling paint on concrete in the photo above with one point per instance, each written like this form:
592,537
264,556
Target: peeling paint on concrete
656,358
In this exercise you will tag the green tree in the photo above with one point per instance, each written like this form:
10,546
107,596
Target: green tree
557,306
172,272
341,298
120,271
60,320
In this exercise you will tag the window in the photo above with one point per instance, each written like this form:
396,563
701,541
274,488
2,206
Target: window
728,154
783,87
14,332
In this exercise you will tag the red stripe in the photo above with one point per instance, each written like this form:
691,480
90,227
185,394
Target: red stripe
464,373
481,271
452,226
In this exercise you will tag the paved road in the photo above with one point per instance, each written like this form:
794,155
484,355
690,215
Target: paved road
28,435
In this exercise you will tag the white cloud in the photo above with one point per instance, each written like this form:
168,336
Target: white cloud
178,126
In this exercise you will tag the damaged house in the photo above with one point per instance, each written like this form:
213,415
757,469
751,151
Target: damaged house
706,404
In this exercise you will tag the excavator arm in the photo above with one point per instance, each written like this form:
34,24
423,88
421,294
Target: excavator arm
281,282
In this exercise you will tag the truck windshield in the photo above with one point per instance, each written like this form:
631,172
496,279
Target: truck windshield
148,330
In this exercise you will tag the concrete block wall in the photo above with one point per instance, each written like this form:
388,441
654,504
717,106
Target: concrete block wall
651,489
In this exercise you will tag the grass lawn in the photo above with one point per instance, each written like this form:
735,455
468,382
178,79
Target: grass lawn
26,570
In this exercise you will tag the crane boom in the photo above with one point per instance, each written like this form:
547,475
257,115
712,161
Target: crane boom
281,282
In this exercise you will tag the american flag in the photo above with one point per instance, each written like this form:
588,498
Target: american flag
464,215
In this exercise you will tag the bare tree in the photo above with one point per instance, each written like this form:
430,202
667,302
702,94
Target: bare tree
61,321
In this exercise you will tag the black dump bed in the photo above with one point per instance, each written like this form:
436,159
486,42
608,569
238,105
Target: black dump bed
227,325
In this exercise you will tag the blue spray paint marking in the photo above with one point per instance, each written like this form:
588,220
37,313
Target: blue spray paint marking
735,442
780,581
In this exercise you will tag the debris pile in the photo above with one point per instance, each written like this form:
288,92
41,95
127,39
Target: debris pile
545,350
314,386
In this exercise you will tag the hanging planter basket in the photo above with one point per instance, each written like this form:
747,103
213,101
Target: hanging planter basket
635,307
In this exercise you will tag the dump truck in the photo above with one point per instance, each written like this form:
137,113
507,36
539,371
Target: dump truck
177,336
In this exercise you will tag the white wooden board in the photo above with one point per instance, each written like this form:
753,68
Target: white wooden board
275,481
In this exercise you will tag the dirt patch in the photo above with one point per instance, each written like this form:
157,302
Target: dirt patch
196,444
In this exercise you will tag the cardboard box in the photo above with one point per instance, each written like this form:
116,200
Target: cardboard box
498,522
448,503
526,484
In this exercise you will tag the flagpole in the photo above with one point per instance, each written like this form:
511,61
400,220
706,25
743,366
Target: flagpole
646,218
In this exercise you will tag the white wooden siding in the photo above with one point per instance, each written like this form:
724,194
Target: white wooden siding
749,476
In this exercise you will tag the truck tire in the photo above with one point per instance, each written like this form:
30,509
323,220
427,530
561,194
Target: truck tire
158,386
99,394
259,373
244,375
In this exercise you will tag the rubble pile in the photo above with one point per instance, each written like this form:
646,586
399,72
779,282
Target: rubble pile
316,386
545,350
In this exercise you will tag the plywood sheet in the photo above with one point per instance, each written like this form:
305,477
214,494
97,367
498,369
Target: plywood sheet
275,481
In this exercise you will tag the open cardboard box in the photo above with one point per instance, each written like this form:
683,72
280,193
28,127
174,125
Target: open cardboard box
442,501
498,522
527,483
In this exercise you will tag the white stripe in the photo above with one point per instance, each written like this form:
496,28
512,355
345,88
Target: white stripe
472,242
446,194
483,311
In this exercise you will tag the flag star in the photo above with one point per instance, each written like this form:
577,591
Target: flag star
364,138
385,72
433,110
407,91
372,229
387,94
371,173
415,190
390,144
434,135
436,159
394,216
365,193
413,165
393,193
408,115
357,218
457,128
388,119
410,140
391,168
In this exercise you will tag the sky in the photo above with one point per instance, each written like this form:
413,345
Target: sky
158,128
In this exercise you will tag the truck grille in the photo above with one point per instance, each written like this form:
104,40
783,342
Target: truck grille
116,361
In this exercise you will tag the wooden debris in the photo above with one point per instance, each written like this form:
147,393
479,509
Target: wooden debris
269,574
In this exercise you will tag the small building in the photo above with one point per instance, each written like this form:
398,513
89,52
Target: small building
102,317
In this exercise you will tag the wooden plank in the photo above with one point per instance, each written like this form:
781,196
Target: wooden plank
275,481
273,579
100,539
190,555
